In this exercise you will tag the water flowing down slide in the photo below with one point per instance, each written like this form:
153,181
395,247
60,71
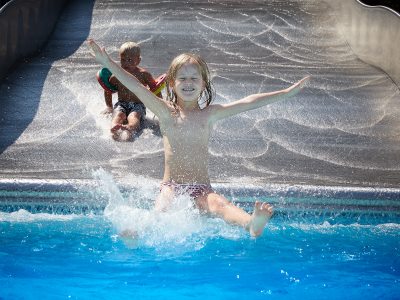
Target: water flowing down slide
343,129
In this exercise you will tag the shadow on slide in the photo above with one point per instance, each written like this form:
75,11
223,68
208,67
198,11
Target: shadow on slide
21,90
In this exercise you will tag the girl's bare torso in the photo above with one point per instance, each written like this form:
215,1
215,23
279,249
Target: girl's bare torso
185,138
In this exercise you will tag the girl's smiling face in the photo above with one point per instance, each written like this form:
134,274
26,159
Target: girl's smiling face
188,84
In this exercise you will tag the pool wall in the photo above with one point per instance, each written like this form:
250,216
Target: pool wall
25,26
373,34
84,196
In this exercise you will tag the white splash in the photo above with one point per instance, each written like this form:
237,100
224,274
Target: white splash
182,228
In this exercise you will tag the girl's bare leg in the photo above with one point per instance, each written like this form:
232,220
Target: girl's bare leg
221,207
162,204
165,199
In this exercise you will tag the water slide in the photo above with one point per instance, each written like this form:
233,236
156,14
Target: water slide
342,130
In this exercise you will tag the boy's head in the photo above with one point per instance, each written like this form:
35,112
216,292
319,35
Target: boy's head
129,54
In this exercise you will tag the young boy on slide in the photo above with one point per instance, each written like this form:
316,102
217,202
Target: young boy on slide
129,110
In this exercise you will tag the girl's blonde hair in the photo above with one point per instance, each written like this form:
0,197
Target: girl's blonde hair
176,64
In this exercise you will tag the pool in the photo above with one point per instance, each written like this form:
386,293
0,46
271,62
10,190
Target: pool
61,247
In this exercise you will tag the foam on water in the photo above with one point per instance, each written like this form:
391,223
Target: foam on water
23,216
326,227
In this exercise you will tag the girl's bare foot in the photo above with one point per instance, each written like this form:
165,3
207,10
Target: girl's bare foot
260,217
129,237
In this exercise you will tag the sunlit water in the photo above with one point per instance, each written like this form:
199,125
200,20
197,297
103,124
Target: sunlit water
182,254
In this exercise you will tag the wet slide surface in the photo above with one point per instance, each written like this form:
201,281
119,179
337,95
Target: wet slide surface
342,129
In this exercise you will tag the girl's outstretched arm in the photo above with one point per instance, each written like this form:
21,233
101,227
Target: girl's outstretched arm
221,111
155,104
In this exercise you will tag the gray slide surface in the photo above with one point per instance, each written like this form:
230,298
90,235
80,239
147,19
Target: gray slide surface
343,129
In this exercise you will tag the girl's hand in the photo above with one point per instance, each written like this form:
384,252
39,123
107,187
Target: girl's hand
301,83
98,53
295,88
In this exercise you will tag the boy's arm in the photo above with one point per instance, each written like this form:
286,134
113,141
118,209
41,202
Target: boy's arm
151,82
221,111
108,100
155,104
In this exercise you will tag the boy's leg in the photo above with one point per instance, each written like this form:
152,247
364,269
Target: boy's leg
133,121
131,127
117,120
221,207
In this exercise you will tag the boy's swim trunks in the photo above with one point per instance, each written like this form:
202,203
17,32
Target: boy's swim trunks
128,107
193,190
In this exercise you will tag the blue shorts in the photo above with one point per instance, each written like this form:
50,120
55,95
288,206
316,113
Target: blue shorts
128,107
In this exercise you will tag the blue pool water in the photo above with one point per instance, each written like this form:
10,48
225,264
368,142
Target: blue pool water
342,254
81,257
52,246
